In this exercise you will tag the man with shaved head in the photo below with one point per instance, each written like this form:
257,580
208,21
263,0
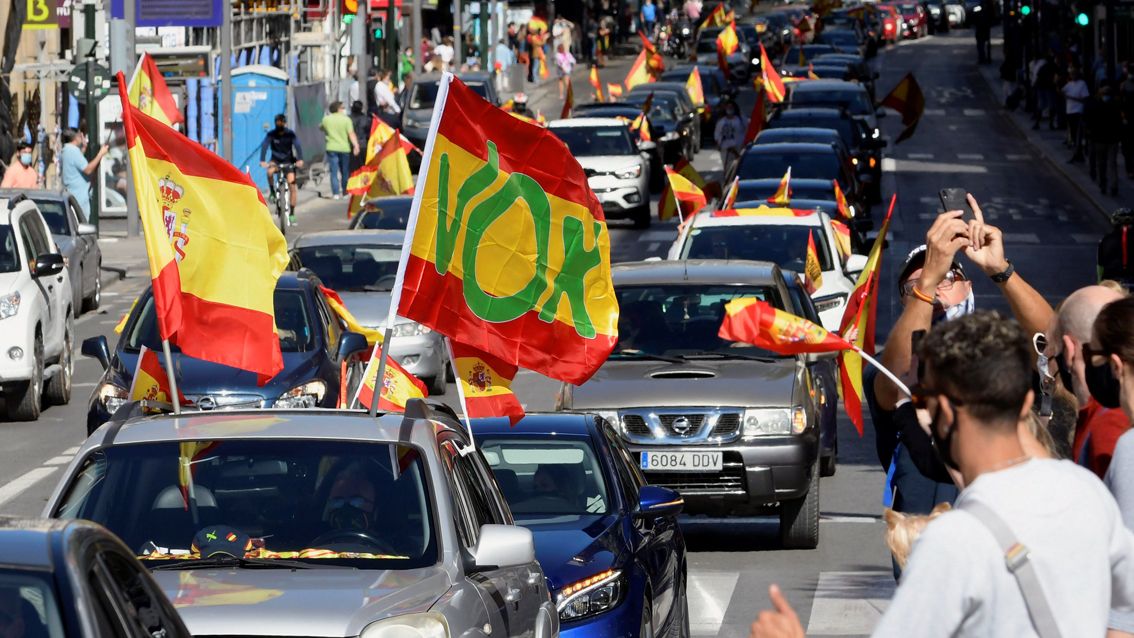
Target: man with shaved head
1098,427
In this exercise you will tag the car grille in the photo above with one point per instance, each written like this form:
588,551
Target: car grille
636,424
221,401
730,480
727,424
681,426
693,421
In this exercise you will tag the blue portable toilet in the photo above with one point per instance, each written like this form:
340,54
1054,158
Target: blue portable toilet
259,93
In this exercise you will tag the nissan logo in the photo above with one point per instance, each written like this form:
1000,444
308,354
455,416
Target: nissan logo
206,403
681,425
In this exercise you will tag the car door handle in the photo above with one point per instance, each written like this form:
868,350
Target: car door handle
513,595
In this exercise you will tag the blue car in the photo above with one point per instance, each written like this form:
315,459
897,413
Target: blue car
313,343
609,544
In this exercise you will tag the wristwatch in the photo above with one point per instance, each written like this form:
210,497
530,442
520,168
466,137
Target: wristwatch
1003,276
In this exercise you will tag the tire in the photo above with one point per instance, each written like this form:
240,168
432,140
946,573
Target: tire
58,390
436,385
95,300
23,400
680,627
799,518
647,628
641,217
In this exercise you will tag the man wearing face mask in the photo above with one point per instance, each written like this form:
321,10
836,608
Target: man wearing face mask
976,389
729,134
21,173
1100,422
76,170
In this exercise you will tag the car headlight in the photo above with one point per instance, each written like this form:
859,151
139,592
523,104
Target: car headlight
671,136
829,302
755,61
590,596
307,395
629,173
854,160
876,134
9,305
111,396
611,417
427,625
410,329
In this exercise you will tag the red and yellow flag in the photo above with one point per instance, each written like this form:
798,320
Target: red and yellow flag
716,18
568,102
641,125
639,72
730,195
841,201
667,207
614,90
214,272
812,270
695,88
842,238
907,99
373,337
486,383
398,387
727,41
596,84
544,71
782,196
763,211
379,133
655,64
150,94
510,253
387,174
685,192
757,120
150,380
857,325
773,83
749,320
811,75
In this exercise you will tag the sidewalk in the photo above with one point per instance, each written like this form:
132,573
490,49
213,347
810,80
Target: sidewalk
1049,145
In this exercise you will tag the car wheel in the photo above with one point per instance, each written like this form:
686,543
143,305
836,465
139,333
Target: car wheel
681,625
58,390
647,630
23,400
641,217
437,385
799,518
95,300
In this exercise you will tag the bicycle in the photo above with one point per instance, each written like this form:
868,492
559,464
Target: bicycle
281,192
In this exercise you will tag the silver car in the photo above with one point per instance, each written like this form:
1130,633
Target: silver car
314,523
361,266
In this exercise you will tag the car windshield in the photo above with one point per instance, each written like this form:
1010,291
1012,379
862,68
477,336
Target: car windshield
9,253
354,267
774,164
596,141
543,477
661,109
708,41
425,93
292,324
681,319
762,191
857,102
781,244
54,214
908,9
839,37
27,598
393,215
318,501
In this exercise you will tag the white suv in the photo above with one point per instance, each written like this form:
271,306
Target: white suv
36,326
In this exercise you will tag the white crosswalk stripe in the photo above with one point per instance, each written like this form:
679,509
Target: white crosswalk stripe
849,603
709,597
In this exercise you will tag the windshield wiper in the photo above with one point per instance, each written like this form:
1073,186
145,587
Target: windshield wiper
716,354
638,354
245,563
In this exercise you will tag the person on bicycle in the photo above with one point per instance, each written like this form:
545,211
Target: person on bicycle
286,154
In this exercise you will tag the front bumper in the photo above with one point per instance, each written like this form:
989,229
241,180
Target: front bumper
421,355
16,335
622,199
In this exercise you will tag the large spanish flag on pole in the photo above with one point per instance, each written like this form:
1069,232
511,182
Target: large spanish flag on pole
388,173
485,383
639,72
507,248
773,83
150,94
749,320
215,253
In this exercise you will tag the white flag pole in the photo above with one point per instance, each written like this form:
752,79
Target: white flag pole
884,370
461,396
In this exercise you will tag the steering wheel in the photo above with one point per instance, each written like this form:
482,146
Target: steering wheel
348,535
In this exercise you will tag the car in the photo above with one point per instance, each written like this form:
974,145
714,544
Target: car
679,395
780,236
627,113
37,327
814,71
915,22
74,578
361,266
385,213
806,194
851,96
715,86
417,105
937,15
843,40
681,93
841,19
859,68
866,150
313,342
609,543
803,53
807,135
617,169
77,241
807,161
955,13
314,523
674,128
891,22
762,189
739,62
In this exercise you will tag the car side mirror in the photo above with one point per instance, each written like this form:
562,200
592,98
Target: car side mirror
880,113
856,264
87,229
655,501
351,343
97,348
47,265
647,146
503,546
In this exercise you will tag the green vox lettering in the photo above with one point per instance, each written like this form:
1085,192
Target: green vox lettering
569,282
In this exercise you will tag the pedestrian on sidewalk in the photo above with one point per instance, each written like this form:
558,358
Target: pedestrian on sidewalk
564,63
340,143
982,28
649,17
20,172
76,170
1103,120
385,102
1043,80
1075,93
729,135
361,123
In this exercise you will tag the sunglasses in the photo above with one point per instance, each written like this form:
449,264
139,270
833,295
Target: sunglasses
951,278
357,502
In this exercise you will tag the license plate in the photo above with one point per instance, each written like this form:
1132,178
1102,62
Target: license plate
654,461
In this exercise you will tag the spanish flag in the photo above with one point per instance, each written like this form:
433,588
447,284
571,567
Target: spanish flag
189,453
150,379
614,90
729,199
695,88
749,320
639,72
763,211
641,125
544,72
667,207
782,196
386,175
841,201
214,272
508,250
773,83
121,325
398,387
486,384
811,75
654,61
727,42
812,270
373,337
568,102
716,18
842,238
379,133
150,94
857,325
756,121
685,192
907,99
596,84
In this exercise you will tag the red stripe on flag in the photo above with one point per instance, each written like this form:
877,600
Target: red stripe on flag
239,337
167,300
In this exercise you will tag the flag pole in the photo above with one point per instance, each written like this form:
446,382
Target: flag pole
461,397
676,202
175,399
884,370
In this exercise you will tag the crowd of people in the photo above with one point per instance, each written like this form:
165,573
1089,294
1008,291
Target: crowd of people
1009,453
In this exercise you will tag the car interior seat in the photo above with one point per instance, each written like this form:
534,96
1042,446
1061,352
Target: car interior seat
171,521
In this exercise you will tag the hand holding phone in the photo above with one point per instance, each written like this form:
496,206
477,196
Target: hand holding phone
957,199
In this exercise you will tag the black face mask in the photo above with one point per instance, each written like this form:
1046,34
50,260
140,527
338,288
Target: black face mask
1064,370
1103,385
943,444
281,127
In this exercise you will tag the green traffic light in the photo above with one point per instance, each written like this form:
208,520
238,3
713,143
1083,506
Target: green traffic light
348,18
377,33
1082,19
1025,10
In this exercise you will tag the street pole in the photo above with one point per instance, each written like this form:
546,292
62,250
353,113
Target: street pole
390,33
123,59
226,81
358,38
485,11
93,143
458,34
418,61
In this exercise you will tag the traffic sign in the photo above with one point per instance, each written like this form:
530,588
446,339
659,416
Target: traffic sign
42,14
90,76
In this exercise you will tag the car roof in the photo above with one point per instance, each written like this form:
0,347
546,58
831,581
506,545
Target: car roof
24,542
810,112
796,182
536,424
470,76
827,86
810,131
707,220
9,205
35,193
790,147
357,237
700,271
586,122
671,85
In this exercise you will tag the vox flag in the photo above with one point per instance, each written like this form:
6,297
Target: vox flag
150,94
749,320
486,383
907,99
214,251
507,249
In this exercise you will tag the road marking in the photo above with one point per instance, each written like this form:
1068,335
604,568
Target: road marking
849,603
936,112
889,165
709,595
110,294
72,450
83,385
1016,157
973,112
1021,238
21,483
920,156
59,460
826,518
970,156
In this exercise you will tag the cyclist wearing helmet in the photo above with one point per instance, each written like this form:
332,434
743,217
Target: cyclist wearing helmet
285,152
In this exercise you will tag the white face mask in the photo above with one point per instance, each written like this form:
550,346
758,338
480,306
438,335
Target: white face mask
961,309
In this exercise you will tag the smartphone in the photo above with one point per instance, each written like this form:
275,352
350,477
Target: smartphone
957,199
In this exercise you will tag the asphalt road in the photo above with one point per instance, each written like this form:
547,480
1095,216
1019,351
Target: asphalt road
841,587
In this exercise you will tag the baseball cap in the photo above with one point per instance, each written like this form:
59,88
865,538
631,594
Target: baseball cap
916,260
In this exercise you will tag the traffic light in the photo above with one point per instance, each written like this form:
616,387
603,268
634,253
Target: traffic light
379,27
348,18
1082,20
1025,10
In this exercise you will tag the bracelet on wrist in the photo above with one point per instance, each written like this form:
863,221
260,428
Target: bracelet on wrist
918,294
1003,275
